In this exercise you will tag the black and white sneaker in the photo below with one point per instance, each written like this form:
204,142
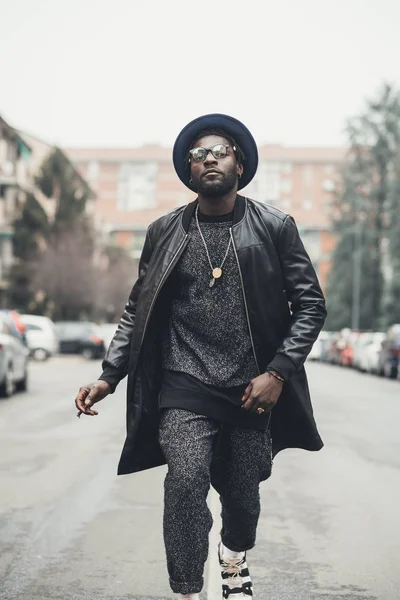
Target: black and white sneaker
236,580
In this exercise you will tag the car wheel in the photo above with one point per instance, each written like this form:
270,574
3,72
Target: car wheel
40,354
7,388
88,353
22,386
390,371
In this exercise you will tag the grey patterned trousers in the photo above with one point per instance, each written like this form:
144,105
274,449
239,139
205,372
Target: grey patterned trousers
200,451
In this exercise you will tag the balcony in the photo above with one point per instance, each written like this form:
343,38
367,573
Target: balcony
15,174
6,232
8,174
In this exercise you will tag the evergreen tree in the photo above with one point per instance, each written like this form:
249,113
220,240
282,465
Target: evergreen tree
54,254
353,235
364,213
393,301
30,230
59,180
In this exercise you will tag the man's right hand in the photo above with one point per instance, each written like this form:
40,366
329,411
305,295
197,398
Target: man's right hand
89,395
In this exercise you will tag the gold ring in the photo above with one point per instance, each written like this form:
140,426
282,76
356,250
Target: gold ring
260,410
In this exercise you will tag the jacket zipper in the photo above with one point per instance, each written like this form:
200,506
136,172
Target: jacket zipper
247,315
245,301
162,281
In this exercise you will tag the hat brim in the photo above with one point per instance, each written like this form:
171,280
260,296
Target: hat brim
233,127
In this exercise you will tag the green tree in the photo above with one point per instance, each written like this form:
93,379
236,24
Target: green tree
353,235
362,216
30,230
54,263
393,299
59,181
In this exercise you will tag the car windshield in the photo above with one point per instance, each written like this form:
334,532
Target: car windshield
75,329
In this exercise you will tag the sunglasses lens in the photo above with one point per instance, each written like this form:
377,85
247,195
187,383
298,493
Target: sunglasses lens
219,151
198,154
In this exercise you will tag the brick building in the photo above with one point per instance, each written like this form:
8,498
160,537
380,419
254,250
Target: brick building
134,186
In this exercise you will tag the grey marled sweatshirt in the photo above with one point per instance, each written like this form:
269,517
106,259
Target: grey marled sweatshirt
207,334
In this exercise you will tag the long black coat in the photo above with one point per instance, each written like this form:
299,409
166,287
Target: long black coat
284,305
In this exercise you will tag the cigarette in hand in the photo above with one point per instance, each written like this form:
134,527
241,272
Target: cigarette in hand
87,402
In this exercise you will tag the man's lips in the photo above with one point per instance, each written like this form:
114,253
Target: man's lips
212,172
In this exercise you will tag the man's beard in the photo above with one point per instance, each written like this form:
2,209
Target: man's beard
215,188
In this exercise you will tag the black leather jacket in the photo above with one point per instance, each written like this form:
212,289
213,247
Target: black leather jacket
285,309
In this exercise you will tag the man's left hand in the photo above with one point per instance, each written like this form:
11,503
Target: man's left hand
262,392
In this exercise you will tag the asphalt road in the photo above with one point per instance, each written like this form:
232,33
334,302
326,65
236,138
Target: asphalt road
70,529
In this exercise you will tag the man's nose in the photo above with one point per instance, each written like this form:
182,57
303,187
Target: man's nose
210,158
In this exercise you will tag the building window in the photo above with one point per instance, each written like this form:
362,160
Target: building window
308,175
3,150
12,152
286,186
136,186
269,182
328,185
286,204
307,205
312,243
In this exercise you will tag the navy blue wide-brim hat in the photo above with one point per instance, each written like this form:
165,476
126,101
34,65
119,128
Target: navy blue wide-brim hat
233,127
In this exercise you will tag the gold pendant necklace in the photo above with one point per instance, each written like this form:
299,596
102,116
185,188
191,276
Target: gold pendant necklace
216,272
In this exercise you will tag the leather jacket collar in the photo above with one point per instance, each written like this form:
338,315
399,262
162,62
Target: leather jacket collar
239,211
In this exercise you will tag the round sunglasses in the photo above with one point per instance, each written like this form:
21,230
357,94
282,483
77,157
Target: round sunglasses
218,151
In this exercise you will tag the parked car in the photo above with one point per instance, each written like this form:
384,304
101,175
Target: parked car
326,338
345,347
13,319
13,357
369,360
315,353
333,350
80,337
390,353
107,332
41,336
360,348
318,350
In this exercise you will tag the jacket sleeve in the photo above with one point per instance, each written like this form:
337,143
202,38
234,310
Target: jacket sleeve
116,361
306,298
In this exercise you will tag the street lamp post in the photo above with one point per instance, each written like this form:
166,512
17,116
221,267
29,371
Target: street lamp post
357,264
357,260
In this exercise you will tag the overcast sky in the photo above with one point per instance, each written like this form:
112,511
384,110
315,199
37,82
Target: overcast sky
126,72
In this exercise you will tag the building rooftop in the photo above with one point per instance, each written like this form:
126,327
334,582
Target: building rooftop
273,152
